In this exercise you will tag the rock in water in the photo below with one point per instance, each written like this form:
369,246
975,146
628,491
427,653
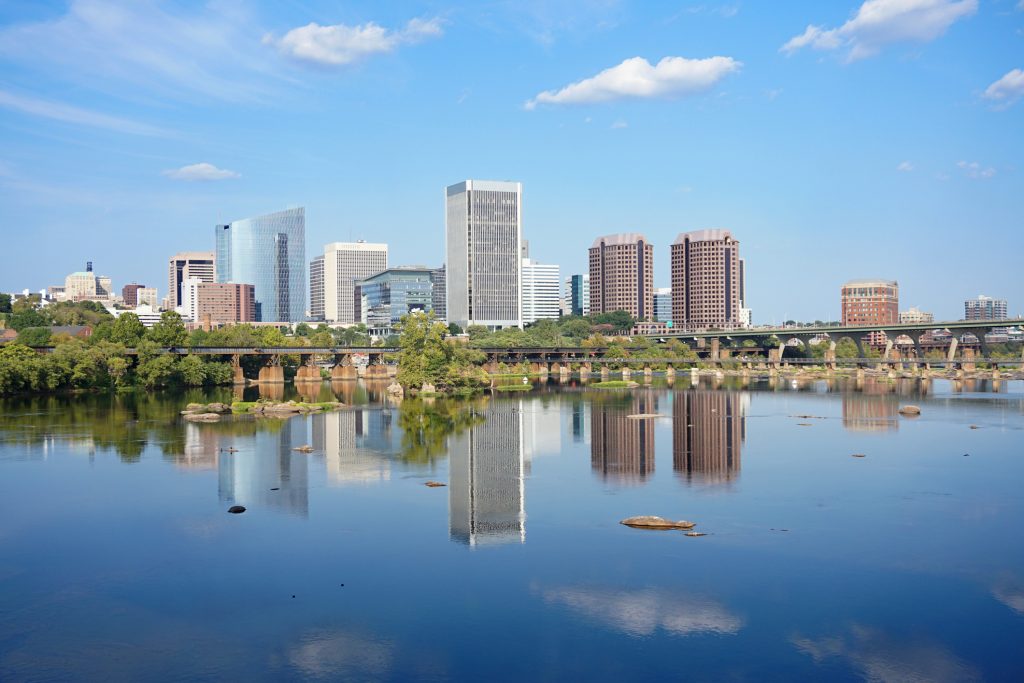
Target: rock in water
859,455
695,533
435,483
236,509
652,522
306,448
202,417
910,410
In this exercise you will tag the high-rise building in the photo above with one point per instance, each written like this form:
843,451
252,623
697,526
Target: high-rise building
440,292
345,263
916,316
316,288
185,265
985,308
577,295
540,291
394,293
130,294
146,296
663,304
217,303
483,227
87,286
706,280
268,252
871,302
622,275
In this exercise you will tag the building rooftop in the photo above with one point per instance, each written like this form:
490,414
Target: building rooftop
620,238
708,235
879,281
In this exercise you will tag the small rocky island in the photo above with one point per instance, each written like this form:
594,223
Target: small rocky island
213,412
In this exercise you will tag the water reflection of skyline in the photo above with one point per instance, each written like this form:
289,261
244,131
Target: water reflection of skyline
708,430
354,444
622,448
271,474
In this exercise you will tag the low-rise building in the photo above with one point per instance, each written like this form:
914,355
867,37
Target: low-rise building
386,297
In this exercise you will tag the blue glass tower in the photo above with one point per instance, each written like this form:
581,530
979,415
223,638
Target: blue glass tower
269,253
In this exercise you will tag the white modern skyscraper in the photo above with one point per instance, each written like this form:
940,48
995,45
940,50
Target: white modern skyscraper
316,288
483,228
344,264
540,291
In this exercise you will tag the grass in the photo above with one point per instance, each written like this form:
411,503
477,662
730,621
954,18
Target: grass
614,384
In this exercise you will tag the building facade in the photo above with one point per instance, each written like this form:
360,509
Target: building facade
985,308
483,228
663,304
198,265
540,291
396,292
268,252
870,302
577,295
222,303
346,263
916,316
130,294
147,296
438,279
316,288
622,275
706,280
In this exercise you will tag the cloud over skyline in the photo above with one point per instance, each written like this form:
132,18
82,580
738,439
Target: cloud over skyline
636,78
202,171
878,23
1007,89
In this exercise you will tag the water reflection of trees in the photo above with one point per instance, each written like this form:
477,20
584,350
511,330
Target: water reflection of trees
427,423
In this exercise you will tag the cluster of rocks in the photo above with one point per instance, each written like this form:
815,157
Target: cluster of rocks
210,412
290,408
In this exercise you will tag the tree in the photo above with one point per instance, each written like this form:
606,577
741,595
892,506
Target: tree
169,331
576,329
23,317
193,371
34,336
427,357
619,320
127,330
454,329
303,330
5,303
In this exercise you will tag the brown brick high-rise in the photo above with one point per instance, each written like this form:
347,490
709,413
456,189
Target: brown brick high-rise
622,275
707,280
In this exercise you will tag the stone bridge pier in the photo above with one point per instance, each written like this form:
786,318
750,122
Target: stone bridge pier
343,370
307,370
272,373
376,368
236,366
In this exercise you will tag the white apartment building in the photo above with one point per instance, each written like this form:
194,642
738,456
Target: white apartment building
344,264
483,229
540,291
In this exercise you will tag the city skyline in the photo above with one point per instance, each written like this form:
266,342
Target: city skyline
805,141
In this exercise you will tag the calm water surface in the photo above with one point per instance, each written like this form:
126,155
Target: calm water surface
118,560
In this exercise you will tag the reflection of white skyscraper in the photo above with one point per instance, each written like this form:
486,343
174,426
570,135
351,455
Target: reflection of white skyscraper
542,430
341,436
269,475
486,494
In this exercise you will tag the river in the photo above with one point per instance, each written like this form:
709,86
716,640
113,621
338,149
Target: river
843,540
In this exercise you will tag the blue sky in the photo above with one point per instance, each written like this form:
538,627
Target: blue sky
836,140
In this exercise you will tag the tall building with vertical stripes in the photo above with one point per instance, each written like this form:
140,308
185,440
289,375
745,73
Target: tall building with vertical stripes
622,275
484,232
707,280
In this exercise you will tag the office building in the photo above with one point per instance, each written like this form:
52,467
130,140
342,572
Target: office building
577,295
316,288
345,263
540,291
871,303
916,316
268,252
130,294
388,296
439,302
662,304
80,286
146,296
706,280
185,265
985,308
217,303
622,275
483,228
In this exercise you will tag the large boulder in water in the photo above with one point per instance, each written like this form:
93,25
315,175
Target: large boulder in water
652,522
202,417
910,410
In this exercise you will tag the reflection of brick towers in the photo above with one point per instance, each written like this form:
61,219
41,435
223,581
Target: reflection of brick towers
866,413
708,429
622,448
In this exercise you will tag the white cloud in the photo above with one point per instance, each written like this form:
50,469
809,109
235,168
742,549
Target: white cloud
636,78
878,23
59,111
201,172
905,167
619,124
1007,89
340,45
973,169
